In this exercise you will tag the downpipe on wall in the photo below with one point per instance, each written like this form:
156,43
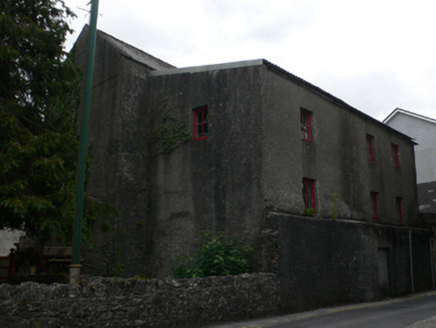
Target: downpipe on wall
431,261
411,261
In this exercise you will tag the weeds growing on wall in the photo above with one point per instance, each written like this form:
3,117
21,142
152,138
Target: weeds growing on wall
216,256
308,212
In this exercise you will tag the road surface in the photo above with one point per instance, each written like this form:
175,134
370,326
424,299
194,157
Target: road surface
414,311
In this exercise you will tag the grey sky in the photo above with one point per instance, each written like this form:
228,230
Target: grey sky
375,55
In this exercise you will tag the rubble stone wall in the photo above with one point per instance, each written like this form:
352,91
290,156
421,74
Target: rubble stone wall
136,302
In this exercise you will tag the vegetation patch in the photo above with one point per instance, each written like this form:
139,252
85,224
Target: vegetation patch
216,256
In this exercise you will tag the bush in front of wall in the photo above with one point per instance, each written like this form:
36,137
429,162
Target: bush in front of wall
216,256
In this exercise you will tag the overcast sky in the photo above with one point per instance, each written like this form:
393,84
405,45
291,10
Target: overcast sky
375,55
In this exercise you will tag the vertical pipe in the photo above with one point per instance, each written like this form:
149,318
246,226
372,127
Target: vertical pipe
431,261
411,261
81,165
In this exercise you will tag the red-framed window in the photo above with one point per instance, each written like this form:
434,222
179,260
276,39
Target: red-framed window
370,147
374,204
399,208
394,152
306,124
309,193
201,127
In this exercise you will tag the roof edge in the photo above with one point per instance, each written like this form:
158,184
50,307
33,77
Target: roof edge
113,40
207,68
278,70
408,113
127,51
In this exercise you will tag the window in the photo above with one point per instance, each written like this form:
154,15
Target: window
309,193
395,161
399,208
370,147
200,123
306,125
374,204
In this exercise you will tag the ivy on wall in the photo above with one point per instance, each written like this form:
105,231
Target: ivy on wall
168,132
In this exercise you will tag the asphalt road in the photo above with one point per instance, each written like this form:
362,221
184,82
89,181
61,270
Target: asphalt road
414,311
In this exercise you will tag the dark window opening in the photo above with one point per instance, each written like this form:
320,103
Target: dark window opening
309,193
374,204
306,125
201,128
399,208
395,160
370,147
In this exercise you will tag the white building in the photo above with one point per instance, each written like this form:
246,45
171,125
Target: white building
8,239
423,130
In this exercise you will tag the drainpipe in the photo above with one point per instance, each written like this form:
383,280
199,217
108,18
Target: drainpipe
411,261
431,261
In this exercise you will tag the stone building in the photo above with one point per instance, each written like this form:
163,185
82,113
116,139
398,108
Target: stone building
323,192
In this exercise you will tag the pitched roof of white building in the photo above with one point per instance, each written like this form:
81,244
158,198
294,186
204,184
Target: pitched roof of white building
398,111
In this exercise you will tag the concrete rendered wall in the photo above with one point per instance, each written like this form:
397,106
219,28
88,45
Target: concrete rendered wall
254,159
336,158
252,162
424,133
117,169
211,184
325,262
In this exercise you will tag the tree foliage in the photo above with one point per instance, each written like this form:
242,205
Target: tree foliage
39,96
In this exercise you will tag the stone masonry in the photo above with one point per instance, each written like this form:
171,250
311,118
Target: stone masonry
136,302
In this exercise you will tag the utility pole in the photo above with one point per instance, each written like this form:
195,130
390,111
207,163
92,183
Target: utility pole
81,164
